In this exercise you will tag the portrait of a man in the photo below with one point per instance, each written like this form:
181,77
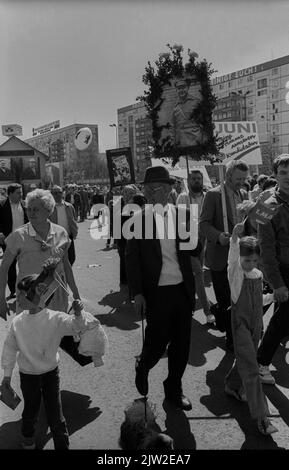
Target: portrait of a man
178,127
5,169
185,131
30,168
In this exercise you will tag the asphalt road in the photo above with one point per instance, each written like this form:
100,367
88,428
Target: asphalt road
94,399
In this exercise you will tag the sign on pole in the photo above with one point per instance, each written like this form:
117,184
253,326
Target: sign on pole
11,129
120,166
240,141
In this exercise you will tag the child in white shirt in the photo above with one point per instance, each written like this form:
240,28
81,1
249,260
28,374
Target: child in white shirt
33,339
243,380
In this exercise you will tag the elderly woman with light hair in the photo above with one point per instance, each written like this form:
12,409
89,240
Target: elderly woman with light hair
35,242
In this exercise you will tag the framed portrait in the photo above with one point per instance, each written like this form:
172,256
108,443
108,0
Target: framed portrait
30,168
180,102
120,166
179,128
6,169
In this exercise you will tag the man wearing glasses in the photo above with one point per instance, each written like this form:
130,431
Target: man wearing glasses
64,215
162,283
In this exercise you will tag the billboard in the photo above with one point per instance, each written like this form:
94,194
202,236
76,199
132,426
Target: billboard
30,168
45,128
11,129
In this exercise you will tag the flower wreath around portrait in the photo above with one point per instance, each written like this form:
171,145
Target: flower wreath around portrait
169,67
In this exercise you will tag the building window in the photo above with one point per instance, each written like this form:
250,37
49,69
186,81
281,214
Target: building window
221,87
240,81
250,78
262,83
275,71
229,85
262,92
275,83
250,111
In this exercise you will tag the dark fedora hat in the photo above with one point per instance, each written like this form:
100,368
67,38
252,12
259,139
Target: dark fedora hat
158,174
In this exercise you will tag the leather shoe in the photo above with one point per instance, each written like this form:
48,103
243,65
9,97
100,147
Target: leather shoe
181,402
141,378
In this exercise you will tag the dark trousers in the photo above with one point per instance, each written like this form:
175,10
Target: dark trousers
277,329
223,297
121,244
83,212
12,274
168,316
46,386
71,251
77,210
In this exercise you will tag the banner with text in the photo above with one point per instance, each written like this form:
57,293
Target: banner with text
240,141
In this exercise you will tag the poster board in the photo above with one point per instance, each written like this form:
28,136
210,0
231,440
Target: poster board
240,141
120,166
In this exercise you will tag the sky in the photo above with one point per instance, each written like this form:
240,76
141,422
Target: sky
79,61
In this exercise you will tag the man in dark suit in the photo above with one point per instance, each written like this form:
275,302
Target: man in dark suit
31,171
64,215
12,216
74,198
162,283
217,249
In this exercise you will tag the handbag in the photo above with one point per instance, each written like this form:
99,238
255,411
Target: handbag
70,346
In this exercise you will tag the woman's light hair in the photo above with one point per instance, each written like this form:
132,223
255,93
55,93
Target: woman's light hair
45,196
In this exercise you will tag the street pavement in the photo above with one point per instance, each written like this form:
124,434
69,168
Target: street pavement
94,399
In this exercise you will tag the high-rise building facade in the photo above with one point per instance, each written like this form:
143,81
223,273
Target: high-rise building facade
135,131
59,145
259,93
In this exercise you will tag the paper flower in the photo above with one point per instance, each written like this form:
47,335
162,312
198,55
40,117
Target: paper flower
245,207
178,47
164,55
194,54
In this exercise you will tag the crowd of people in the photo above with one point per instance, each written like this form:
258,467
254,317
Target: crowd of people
163,275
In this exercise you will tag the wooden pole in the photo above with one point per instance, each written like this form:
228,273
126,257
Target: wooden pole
224,204
188,172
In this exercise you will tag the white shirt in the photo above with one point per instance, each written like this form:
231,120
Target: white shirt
17,215
35,338
62,216
236,274
166,233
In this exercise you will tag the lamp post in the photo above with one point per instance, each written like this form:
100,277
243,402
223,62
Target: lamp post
116,136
